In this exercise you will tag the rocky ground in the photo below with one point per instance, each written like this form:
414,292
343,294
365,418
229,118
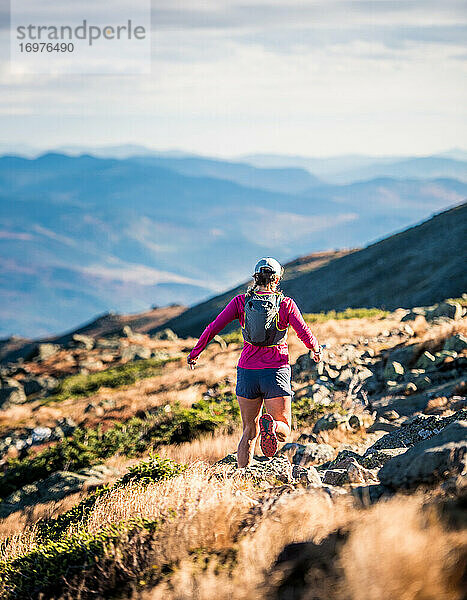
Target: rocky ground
380,430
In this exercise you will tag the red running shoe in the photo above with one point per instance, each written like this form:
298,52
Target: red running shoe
268,441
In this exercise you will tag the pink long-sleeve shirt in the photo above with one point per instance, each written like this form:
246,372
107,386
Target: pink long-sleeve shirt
259,357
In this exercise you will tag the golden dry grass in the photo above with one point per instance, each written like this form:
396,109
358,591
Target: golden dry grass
208,449
397,550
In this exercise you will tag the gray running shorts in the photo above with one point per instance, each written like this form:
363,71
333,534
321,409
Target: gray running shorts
264,383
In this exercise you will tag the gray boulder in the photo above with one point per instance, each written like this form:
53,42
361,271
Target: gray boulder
449,310
419,429
127,331
379,458
53,488
309,454
404,354
441,456
305,368
417,311
335,477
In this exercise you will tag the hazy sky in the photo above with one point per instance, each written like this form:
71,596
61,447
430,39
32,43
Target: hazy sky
285,76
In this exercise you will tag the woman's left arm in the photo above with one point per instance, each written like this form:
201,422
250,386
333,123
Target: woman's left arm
301,328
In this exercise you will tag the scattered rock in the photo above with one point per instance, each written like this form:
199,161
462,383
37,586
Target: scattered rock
449,309
127,331
302,566
417,311
330,372
410,389
426,361
369,494
305,368
166,335
306,475
39,385
419,429
271,470
11,394
349,421
379,458
45,351
41,434
408,330
91,364
159,354
329,421
335,477
394,370
345,376
64,427
111,343
439,457
83,341
306,438
135,352
456,343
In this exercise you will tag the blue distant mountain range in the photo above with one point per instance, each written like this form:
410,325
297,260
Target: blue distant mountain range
80,235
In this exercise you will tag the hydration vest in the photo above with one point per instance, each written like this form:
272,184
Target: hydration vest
261,320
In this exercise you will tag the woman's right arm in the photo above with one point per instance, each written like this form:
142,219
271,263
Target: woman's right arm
230,313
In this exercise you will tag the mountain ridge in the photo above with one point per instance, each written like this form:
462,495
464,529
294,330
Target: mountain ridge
429,258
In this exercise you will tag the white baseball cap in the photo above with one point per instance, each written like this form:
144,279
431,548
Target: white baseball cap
269,264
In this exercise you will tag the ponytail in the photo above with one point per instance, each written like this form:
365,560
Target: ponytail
263,278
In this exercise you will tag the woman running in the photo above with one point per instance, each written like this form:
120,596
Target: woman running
263,371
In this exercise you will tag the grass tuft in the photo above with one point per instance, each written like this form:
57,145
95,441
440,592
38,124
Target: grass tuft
79,386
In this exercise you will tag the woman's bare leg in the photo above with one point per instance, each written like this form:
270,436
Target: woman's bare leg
281,411
250,411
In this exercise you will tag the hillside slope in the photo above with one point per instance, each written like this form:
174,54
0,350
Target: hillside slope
421,265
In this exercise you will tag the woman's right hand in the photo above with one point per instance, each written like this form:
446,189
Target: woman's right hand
191,362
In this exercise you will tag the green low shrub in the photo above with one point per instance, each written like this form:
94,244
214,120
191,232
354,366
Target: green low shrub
151,470
147,471
305,411
234,337
348,313
87,447
45,569
82,385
